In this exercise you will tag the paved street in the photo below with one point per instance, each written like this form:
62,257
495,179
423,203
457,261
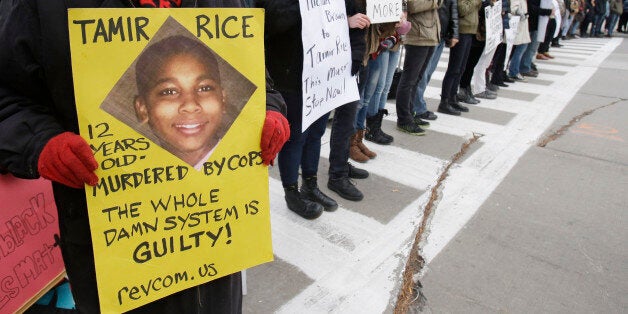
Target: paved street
529,217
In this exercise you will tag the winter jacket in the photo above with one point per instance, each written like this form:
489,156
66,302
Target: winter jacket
425,29
468,16
37,103
617,6
534,10
448,16
520,8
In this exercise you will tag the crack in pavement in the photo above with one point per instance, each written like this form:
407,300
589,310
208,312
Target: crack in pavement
410,293
561,131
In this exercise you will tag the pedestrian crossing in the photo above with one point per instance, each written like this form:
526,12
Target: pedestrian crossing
351,260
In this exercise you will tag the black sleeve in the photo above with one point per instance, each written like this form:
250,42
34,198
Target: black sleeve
27,118
453,23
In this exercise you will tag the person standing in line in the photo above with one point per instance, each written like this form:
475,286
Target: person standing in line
448,16
522,38
534,11
616,9
458,55
419,43
40,137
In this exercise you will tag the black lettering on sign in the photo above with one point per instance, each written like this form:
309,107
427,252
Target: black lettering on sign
227,27
134,293
106,30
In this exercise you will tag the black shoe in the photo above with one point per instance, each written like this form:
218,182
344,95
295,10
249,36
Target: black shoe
345,188
446,108
533,67
421,123
465,95
492,87
459,107
357,173
530,74
507,79
411,128
428,115
310,191
374,131
501,84
302,207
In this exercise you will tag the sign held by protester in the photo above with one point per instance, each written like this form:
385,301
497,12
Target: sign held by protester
31,260
327,81
172,103
382,11
494,27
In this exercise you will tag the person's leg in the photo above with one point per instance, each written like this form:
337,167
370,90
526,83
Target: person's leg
497,70
457,61
415,59
566,24
515,60
623,21
613,18
376,110
478,81
289,157
599,20
474,56
418,102
383,61
549,34
529,54
393,61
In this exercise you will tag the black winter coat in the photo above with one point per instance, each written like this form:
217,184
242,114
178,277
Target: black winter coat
448,15
37,103
534,10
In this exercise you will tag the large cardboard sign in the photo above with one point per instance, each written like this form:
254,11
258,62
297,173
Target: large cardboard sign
327,80
382,11
494,27
31,261
172,103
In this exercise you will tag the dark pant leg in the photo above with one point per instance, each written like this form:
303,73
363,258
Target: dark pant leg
341,130
312,146
415,60
289,157
474,56
497,67
549,34
457,61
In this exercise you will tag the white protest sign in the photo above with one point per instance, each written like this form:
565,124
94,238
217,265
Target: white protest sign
511,34
382,11
494,28
327,81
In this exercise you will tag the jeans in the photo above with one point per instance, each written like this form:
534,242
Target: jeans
566,24
389,61
574,27
419,106
515,59
302,149
341,131
529,54
457,61
612,22
596,29
414,66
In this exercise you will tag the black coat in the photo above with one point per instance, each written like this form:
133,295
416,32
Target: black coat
37,103
448,15
534,10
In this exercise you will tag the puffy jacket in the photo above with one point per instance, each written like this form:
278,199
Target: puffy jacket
448,15
37,103
425,29
468,17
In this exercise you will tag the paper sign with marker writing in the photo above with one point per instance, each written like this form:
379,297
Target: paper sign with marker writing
382,11
172,103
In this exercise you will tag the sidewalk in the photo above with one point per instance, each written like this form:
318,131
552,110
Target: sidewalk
352,260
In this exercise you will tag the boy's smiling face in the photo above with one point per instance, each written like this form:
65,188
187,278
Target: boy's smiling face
184,106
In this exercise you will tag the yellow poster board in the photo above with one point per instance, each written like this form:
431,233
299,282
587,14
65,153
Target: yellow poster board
172,102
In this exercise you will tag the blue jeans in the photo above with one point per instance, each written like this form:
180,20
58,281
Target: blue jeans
302,149
612,22
341,130
388,61
596,29
515,60
418,103
529,54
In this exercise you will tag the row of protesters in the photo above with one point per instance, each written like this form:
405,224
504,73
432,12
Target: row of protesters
40,132
284,58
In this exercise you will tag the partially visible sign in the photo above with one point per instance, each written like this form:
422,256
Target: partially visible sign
382,11
510,34
327,81
494,27
31,263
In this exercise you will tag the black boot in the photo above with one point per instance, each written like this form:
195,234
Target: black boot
446,108
310,191
465,95
302,207
374,131
345,188
357,173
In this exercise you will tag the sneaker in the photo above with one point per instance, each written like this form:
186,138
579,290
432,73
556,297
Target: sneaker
486,94
411,128
421,123
530,74
357,173
428,115
519,78
345,188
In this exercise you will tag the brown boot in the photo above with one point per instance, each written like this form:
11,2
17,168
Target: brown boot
354,151
362,147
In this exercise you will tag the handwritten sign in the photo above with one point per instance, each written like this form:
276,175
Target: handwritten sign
494,27
382,11
31,262
172,103
510,34
327,81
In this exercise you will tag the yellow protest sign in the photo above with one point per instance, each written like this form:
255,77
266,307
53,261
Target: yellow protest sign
172,103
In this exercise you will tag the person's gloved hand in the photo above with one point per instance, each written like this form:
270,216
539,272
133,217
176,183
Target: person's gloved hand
275,133
68,159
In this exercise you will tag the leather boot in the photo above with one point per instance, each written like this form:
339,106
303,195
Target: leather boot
310,191
302,207
345,188
374,131
365,150
465,95
354,151
446,108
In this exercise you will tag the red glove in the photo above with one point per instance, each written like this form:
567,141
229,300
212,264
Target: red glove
275,133
68,159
